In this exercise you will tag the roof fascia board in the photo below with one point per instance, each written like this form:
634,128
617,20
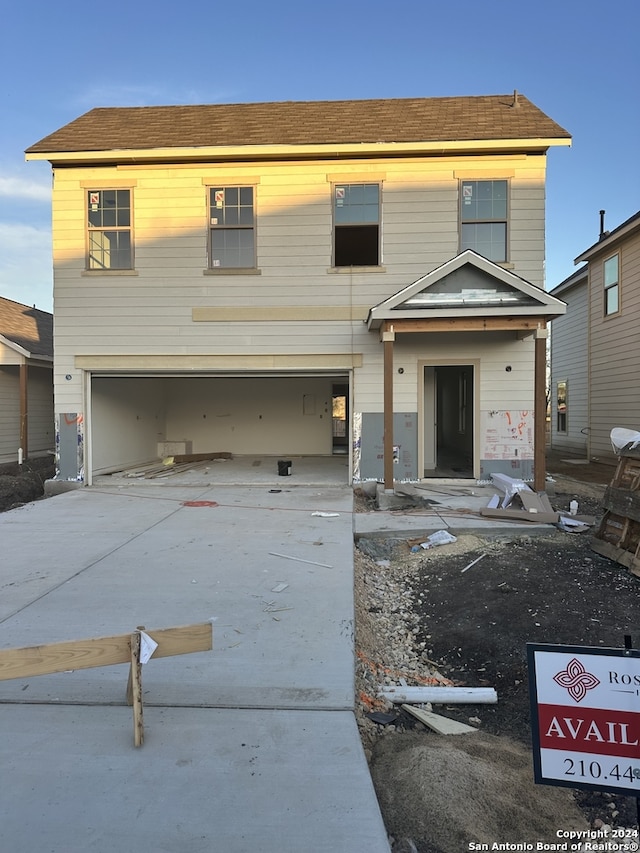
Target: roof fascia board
14,346
324,150
456,313
579,277
608,242
34,357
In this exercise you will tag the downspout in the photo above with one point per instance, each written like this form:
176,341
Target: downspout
540,409
388,337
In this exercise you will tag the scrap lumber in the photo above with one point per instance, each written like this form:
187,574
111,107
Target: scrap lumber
438,723
201,457
100,651
618,535
107,651
521,515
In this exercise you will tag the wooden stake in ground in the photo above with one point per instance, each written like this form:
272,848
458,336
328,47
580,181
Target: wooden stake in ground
106,651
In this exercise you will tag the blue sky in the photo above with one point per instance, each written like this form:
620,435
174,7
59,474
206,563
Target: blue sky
579,63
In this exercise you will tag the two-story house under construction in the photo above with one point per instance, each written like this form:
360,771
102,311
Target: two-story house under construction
361,277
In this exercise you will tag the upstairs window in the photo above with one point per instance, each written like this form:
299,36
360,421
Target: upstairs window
483,218
232,240
611,285
356,225
109,225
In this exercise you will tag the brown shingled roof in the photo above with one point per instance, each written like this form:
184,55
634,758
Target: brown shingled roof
304,123
27,327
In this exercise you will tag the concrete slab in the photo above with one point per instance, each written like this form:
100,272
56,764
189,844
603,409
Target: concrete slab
252,746
205,780
131,560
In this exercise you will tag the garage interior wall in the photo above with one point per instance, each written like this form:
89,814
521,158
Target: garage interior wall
240,415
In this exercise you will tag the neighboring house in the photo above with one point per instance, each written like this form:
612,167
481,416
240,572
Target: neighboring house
598,387
568,388
304,279
26,381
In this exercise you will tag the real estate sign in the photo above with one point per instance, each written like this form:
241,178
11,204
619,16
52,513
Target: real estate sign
585,717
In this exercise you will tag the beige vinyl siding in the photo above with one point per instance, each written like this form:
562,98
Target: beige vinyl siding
494,351
150,311
569,361
615,350
9,413
41,430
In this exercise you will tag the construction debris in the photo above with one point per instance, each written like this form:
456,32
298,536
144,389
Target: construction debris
440,695
299,560
618,536
477,560
438,723
520,503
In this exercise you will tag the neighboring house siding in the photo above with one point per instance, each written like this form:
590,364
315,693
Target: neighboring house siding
41,431
9,413
41,435
615,350
569,362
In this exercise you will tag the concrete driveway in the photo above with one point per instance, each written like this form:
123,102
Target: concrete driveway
250,747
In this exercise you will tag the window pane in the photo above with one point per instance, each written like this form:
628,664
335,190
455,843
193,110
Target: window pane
110,250
482,200
109,218
246,196
230,215
488,239
611,300
232,248
122,259
357,204
230,196
611,271
371,194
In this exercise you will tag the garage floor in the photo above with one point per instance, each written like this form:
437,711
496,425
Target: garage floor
238,471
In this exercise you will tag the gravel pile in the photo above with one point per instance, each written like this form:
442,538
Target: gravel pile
387,645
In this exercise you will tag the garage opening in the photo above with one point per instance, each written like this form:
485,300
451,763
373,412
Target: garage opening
135,419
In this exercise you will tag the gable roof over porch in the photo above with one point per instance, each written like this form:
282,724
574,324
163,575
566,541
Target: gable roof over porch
467,293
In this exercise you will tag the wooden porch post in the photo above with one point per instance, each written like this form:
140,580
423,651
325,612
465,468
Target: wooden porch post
24,411
388,338
540,410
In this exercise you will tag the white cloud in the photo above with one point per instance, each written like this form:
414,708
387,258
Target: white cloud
15,236
12,187
25,264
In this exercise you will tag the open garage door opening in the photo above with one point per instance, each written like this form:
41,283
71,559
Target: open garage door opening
135,420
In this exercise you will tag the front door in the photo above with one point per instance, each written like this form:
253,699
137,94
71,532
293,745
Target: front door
448,421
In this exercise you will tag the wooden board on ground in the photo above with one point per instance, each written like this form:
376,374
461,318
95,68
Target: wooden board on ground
201,457
438,723
100,651
521,515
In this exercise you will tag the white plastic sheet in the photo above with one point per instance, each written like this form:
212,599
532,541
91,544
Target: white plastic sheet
621,438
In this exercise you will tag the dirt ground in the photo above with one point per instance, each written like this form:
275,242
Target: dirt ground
441,793
20,484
